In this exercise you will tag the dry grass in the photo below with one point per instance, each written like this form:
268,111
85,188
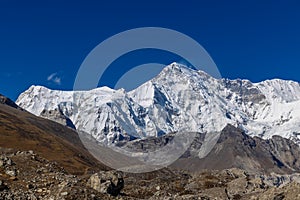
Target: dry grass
23,131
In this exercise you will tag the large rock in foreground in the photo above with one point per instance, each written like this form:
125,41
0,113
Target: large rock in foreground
110,182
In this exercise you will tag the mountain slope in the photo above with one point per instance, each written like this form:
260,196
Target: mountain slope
21,130
6,101
178,99
235,149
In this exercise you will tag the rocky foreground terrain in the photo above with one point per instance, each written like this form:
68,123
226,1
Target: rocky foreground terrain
27,175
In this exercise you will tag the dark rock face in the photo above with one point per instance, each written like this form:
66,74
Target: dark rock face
148,144
57,116
6,101
245,89
286,151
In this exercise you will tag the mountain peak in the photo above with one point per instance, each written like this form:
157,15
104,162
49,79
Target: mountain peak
37,87
182,68
231,132
176,67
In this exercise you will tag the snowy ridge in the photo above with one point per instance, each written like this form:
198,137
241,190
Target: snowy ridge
281,90
178,99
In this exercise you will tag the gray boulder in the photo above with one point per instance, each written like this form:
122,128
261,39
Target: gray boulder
110,182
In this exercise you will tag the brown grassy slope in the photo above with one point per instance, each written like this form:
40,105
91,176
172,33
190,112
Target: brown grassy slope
21,130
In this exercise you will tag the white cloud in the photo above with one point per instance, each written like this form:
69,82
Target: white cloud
54,78
51,76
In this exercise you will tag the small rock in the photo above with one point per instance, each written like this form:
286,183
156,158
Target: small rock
30,186
11,172
64,193
13,178
9,162
40,190
3,186
279,196
32,197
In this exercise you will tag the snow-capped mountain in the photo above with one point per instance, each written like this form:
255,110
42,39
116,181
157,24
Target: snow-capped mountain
178,99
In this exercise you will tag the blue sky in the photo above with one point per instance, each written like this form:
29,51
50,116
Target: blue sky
45,42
